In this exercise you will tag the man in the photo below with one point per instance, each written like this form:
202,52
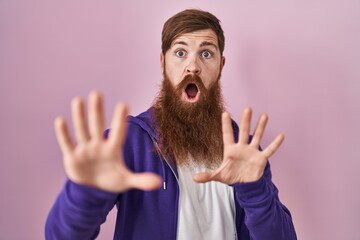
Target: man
180,170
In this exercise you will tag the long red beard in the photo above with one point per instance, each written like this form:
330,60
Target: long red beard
190,133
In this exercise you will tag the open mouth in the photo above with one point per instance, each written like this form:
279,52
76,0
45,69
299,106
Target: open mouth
191,92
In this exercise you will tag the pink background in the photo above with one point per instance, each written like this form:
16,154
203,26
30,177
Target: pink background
296,60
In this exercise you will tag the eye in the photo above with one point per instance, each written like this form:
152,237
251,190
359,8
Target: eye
180,53
206,54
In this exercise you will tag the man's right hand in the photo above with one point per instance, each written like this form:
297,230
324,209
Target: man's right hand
95,161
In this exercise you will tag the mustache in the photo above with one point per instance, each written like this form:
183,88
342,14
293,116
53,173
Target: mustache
191,78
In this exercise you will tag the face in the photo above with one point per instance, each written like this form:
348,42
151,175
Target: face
195,53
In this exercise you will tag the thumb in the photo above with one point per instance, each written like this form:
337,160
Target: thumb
145,181
203,177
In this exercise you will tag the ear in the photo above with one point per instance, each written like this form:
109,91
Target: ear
222,63
162,62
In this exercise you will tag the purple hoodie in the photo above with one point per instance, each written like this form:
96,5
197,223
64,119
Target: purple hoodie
79,210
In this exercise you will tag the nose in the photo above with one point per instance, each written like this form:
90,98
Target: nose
193,67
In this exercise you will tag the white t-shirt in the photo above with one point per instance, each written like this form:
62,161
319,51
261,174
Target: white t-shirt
206,210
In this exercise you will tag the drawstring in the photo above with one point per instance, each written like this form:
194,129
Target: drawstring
164,174
162,164
165,163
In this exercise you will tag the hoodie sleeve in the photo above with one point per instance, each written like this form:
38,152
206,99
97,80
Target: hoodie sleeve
265,217
78,212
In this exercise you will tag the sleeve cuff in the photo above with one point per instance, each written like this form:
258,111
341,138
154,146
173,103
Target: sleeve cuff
252,192
88,196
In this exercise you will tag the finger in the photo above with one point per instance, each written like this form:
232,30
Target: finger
274,145
228,134
144,181
96,115
259,130
203,177
62,135
245,126
119,125
79,119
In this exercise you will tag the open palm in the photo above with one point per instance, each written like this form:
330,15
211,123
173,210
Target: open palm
243,161
95,161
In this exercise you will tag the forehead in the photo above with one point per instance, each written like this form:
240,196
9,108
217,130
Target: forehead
198,37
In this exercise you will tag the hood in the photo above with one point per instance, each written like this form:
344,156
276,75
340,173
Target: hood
145,121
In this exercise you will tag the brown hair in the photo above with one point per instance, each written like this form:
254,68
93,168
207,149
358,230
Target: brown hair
188,21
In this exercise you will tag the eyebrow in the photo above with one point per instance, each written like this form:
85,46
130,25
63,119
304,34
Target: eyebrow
205,43
181,43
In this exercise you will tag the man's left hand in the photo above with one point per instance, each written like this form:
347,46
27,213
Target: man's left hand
243,161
